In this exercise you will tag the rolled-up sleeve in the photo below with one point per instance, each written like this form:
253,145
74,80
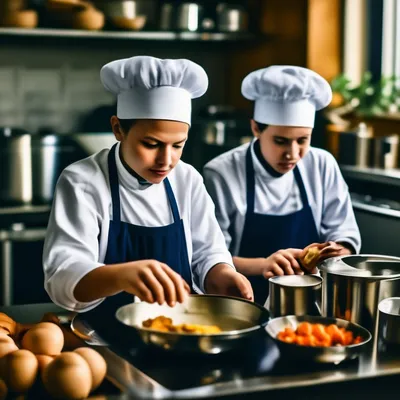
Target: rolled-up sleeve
209,247
71,248
338,220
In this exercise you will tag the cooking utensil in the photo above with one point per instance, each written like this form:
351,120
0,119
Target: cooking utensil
333,354
389,320
231,18
167,15
135,24
189,16
83,330
128,9
295,295
355,147
51,153
15,166
386,150
354,285
239,319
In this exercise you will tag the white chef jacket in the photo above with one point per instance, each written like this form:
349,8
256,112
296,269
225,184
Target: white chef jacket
328,195
77,233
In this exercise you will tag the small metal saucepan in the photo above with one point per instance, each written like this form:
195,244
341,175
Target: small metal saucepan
239,320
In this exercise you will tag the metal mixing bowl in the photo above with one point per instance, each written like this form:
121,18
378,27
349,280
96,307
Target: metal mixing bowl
240,320
333,354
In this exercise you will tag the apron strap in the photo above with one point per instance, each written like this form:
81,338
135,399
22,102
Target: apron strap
114,185
250,182
172,200
302,189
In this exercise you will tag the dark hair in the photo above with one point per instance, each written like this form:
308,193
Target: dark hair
261,127
126,124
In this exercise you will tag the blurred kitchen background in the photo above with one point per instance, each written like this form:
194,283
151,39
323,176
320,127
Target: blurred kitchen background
54,110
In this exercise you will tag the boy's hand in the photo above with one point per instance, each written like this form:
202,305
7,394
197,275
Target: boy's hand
152,282
224,280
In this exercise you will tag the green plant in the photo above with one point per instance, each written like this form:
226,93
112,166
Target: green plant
370,97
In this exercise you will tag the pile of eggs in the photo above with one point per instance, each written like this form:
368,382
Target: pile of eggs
64,375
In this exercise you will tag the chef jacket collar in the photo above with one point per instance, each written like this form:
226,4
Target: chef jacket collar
259,167
263,161
127,176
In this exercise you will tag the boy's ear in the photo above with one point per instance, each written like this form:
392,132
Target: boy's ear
254,128
116,128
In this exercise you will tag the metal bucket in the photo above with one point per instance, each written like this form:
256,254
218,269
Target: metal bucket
389,320
295,295
353,286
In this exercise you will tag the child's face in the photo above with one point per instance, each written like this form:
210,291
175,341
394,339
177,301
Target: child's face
283,146
152,148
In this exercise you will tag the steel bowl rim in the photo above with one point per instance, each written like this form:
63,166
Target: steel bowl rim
307,318
322,266
222,335
275,281
385,300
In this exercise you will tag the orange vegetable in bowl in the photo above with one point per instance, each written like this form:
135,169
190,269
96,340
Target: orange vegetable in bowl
316,334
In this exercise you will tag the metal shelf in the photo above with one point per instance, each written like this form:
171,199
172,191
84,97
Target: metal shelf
28,209
119,35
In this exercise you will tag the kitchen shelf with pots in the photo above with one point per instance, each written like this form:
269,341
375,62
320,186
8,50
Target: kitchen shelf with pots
126,35
379,175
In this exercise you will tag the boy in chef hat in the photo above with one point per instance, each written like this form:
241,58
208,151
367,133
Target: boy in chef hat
135,219
277,196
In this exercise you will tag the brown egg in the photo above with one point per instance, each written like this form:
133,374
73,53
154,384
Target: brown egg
96,363
68,376
43,361
3,390
7,345
44,338
21,368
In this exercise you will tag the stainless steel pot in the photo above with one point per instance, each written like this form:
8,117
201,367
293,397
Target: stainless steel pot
355,148
389,320
386,151
15,166
128,9
189,17
231,18
295,295
239,319
354,285
51,153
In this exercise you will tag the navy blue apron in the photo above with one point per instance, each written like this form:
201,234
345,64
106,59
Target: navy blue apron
264,234
127,242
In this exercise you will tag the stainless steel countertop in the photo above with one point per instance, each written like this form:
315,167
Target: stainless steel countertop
136,385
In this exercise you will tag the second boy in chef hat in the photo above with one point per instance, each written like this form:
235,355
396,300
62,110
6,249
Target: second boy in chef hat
278,195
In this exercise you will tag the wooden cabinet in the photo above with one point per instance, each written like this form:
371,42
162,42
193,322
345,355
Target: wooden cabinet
296,32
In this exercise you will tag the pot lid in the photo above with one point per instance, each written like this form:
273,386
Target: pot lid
368,266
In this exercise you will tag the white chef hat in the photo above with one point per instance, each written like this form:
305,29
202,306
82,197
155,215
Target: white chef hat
286,95
152,88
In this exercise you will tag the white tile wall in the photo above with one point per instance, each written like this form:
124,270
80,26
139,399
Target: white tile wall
47,85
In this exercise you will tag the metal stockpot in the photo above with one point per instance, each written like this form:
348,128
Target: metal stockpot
295,295
389,319
51,153
15,166
386,151
354,285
